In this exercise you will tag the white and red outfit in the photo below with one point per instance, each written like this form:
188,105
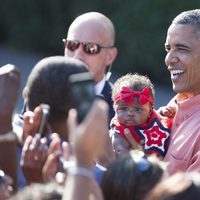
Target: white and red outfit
154,133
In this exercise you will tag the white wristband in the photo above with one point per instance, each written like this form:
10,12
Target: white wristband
81,171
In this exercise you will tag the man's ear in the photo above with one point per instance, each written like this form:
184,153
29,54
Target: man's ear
25,94
112,54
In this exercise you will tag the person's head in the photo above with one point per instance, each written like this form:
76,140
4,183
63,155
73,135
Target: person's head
132,176
40,191
133,97
180,186
48,83
86,35
183,52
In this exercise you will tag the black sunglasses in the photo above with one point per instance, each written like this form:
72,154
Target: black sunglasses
88,47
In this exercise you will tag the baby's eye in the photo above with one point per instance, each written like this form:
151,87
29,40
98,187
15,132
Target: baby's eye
123,108
138,109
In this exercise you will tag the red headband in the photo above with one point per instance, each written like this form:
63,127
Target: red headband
127,96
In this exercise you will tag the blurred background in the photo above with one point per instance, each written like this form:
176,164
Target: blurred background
33,29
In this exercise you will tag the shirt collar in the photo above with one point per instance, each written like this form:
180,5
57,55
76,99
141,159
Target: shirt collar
99,86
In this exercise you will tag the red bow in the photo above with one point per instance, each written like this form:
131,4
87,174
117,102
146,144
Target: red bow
127,96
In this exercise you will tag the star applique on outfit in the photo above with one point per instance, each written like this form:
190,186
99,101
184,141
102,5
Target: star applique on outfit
154,134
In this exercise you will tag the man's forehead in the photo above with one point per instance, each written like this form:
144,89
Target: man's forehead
89,32
87,25
183,28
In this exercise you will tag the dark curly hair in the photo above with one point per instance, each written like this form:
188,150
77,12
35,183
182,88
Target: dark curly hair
48,83
136,82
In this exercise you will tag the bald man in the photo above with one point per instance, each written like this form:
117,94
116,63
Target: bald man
91,38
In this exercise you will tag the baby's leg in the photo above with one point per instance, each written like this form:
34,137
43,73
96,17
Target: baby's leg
120,146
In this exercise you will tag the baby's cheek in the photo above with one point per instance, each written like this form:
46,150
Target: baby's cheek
121,114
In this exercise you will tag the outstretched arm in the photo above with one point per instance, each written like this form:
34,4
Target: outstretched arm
9,90
87,141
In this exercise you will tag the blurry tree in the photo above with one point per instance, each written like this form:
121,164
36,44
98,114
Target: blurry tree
141,26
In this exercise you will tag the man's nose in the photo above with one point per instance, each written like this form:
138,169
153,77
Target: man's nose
79,53
171,58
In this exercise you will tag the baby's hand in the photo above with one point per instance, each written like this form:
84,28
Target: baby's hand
120,145
133,143
167,111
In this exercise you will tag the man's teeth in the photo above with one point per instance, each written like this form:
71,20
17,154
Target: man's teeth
176,72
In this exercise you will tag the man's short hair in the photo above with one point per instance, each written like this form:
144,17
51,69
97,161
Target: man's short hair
188,17
48,83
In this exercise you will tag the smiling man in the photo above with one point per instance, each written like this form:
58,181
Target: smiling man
183,62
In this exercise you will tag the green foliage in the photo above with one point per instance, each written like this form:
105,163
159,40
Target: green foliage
141,26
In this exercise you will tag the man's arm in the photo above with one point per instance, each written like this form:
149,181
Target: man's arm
87,139
9,90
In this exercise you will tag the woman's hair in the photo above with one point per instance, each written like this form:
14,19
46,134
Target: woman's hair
180,186
40,191
132,176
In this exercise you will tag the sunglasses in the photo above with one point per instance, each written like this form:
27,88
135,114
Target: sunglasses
89,48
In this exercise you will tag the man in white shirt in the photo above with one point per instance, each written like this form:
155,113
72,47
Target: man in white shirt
91,38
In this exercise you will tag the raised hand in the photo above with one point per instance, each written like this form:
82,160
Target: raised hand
9,91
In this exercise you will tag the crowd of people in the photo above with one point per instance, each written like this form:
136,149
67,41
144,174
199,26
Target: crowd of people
123,148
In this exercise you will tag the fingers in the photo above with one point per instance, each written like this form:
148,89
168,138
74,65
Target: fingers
55,144
72,123
32,122
167,111
34,152
66,149
8,69
134,144
89,136
9,88
37,117
34,155
53,163
10,73
120,146
50,167
25,155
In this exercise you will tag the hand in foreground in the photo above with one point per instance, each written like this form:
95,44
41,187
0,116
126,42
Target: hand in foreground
87,142
87,138
6,182
133,143
34,155
122,146
167,111
9,91
32,121
58,153
9,88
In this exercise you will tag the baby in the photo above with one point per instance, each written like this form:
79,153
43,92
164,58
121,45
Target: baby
133,97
